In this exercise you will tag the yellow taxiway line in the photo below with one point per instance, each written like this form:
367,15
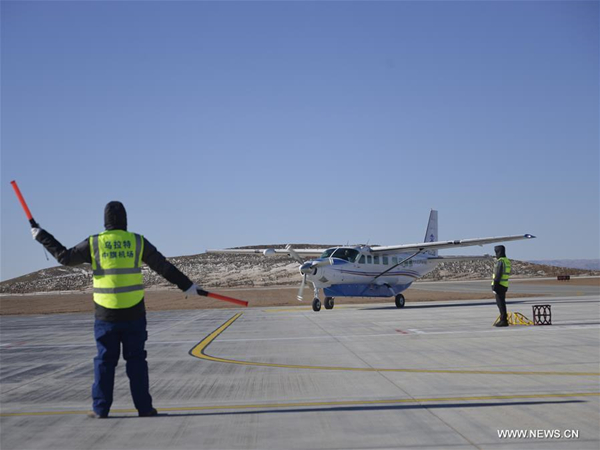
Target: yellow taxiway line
396,401
199,352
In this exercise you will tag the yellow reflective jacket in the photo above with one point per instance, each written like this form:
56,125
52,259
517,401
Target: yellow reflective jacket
117,268
503,281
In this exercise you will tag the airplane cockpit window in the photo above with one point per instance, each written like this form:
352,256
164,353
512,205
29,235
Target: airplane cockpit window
347,254
327,253
362,259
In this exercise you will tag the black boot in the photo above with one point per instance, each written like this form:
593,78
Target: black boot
151,413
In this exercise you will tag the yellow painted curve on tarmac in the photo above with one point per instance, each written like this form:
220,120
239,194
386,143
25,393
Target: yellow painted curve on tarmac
199,351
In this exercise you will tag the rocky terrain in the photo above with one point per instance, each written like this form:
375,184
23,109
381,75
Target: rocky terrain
228,271
585,264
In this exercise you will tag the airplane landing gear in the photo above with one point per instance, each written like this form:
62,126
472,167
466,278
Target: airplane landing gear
316,304
400,301
329,302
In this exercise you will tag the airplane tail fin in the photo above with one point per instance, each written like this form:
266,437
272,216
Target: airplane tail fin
432,231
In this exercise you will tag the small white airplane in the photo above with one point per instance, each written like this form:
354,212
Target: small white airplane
363,271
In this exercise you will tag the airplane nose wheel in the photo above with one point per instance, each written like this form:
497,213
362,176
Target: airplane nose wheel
329,302
316,304
400,301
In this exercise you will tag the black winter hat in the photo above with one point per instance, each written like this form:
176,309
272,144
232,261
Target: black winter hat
115,216
500,251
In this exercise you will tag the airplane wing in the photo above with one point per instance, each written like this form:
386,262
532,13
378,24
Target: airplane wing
459,258
272,251
450,244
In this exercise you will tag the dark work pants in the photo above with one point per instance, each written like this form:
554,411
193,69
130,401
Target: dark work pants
110,336
501,301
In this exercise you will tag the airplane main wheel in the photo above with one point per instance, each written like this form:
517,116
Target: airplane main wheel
400,301
316,305
329,302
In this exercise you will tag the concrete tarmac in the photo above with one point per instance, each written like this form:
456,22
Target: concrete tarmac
429,375
542,286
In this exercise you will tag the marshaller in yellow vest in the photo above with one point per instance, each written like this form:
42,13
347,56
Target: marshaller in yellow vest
500,280
116,256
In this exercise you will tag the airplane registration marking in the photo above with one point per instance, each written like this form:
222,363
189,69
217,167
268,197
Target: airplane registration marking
199,352
395,401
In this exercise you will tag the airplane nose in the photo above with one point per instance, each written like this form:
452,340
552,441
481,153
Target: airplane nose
307,269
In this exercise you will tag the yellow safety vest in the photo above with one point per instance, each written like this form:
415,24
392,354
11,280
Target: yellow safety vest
506,274
117,268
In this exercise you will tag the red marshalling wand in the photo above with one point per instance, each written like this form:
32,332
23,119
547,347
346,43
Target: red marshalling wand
223,298
32,222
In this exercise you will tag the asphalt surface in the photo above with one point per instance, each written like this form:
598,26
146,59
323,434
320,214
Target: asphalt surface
430,375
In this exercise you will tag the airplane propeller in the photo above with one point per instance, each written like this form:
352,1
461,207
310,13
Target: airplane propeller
293,254
299,296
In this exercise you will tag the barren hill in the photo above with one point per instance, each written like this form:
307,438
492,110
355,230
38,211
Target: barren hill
227,270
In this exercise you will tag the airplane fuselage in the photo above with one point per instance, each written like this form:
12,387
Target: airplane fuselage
355,272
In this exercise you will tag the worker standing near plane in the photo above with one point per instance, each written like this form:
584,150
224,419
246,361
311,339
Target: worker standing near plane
500,283
116,256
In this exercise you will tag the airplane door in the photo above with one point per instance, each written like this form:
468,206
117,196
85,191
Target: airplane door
359,264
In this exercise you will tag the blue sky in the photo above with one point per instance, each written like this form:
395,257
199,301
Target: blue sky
223,124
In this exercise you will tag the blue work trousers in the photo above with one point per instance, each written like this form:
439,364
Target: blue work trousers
109,336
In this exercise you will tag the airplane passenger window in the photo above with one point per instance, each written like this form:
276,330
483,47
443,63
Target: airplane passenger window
376,259
369,259
394,260
362,259
385,260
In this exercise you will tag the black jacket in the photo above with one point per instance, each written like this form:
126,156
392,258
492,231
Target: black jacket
115,218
